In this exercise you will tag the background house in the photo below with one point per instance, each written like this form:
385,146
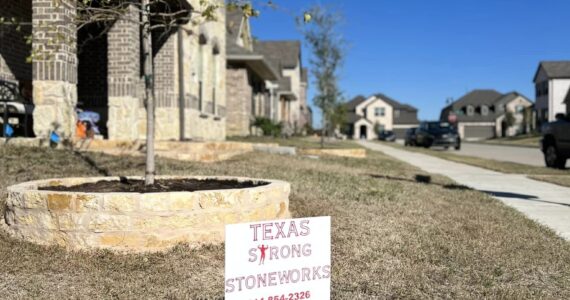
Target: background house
552,84
366,117
484,114
250,93
285,56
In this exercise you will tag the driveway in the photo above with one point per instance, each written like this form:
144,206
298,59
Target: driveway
521,155
543,202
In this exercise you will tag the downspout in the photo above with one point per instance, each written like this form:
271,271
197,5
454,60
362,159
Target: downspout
181,91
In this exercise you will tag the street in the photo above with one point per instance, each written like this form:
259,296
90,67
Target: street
521,155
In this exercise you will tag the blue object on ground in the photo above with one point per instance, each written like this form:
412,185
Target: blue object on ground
9,131
54,137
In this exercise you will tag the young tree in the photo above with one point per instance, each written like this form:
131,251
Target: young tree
327,46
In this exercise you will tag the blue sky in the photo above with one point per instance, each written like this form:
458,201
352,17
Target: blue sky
423,51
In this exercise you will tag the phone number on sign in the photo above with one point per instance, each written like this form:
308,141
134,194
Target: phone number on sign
290,296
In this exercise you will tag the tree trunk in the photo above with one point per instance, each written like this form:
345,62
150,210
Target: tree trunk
149,95
323,131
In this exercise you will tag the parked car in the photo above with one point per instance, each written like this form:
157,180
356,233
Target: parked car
387,136
15,110
410,139
437,134
555,143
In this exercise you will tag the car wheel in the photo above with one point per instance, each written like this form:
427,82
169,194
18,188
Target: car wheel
553,158
458,145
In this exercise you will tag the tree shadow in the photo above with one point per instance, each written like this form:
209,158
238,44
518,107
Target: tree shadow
521,197
423,179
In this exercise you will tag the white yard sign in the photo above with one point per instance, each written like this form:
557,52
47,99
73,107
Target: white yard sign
279,260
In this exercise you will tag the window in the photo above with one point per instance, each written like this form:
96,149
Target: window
470,110
396,113
542,89
202,40
484,110
379,111
519,109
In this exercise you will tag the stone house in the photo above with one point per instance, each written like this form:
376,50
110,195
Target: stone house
482,114
104,74
366,117
285,56
249,76
552,84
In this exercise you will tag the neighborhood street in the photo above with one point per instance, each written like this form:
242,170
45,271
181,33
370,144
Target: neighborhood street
521,155
545,203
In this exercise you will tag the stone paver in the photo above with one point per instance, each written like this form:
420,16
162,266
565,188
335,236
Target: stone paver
543,202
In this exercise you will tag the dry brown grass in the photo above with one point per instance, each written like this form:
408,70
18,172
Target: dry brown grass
298,142
393,237
563,180
491,164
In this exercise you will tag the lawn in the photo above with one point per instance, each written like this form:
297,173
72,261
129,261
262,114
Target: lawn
298,142
559,177
495,165
397,233
528,140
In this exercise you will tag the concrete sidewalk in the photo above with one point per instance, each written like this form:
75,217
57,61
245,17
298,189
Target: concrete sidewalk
545,203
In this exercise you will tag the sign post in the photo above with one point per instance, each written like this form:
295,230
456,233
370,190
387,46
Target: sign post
279,260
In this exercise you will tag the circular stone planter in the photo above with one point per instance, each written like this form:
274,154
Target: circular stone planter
134,221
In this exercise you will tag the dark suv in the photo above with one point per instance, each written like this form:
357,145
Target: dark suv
556,142
437,134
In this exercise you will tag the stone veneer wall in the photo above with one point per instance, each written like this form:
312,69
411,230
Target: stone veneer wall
239,102
136,222
54,66
126,87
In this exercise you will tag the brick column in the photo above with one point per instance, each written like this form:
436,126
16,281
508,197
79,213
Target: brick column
125,84
54,66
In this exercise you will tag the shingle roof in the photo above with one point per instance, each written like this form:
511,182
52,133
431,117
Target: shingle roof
352,104
352,118
395,104
283,54
477,98
555,69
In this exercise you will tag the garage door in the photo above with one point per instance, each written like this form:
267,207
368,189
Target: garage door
400,133
479,132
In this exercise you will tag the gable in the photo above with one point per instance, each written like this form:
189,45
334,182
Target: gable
540,75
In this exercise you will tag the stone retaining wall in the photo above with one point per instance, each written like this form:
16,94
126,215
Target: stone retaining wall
354,153
136,222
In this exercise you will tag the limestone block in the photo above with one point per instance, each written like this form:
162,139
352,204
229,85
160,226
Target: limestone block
121,202
88,202
36,200
60,202
104,223
73,221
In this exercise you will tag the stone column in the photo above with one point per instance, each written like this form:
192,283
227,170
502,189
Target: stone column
124,79
54,66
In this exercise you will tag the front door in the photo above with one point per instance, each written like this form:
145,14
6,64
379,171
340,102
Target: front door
363,132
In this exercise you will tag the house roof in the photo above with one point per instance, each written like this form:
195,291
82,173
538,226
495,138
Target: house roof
352,118
236,53
395,104
477,98
285,88
554,69
283,54
352,104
